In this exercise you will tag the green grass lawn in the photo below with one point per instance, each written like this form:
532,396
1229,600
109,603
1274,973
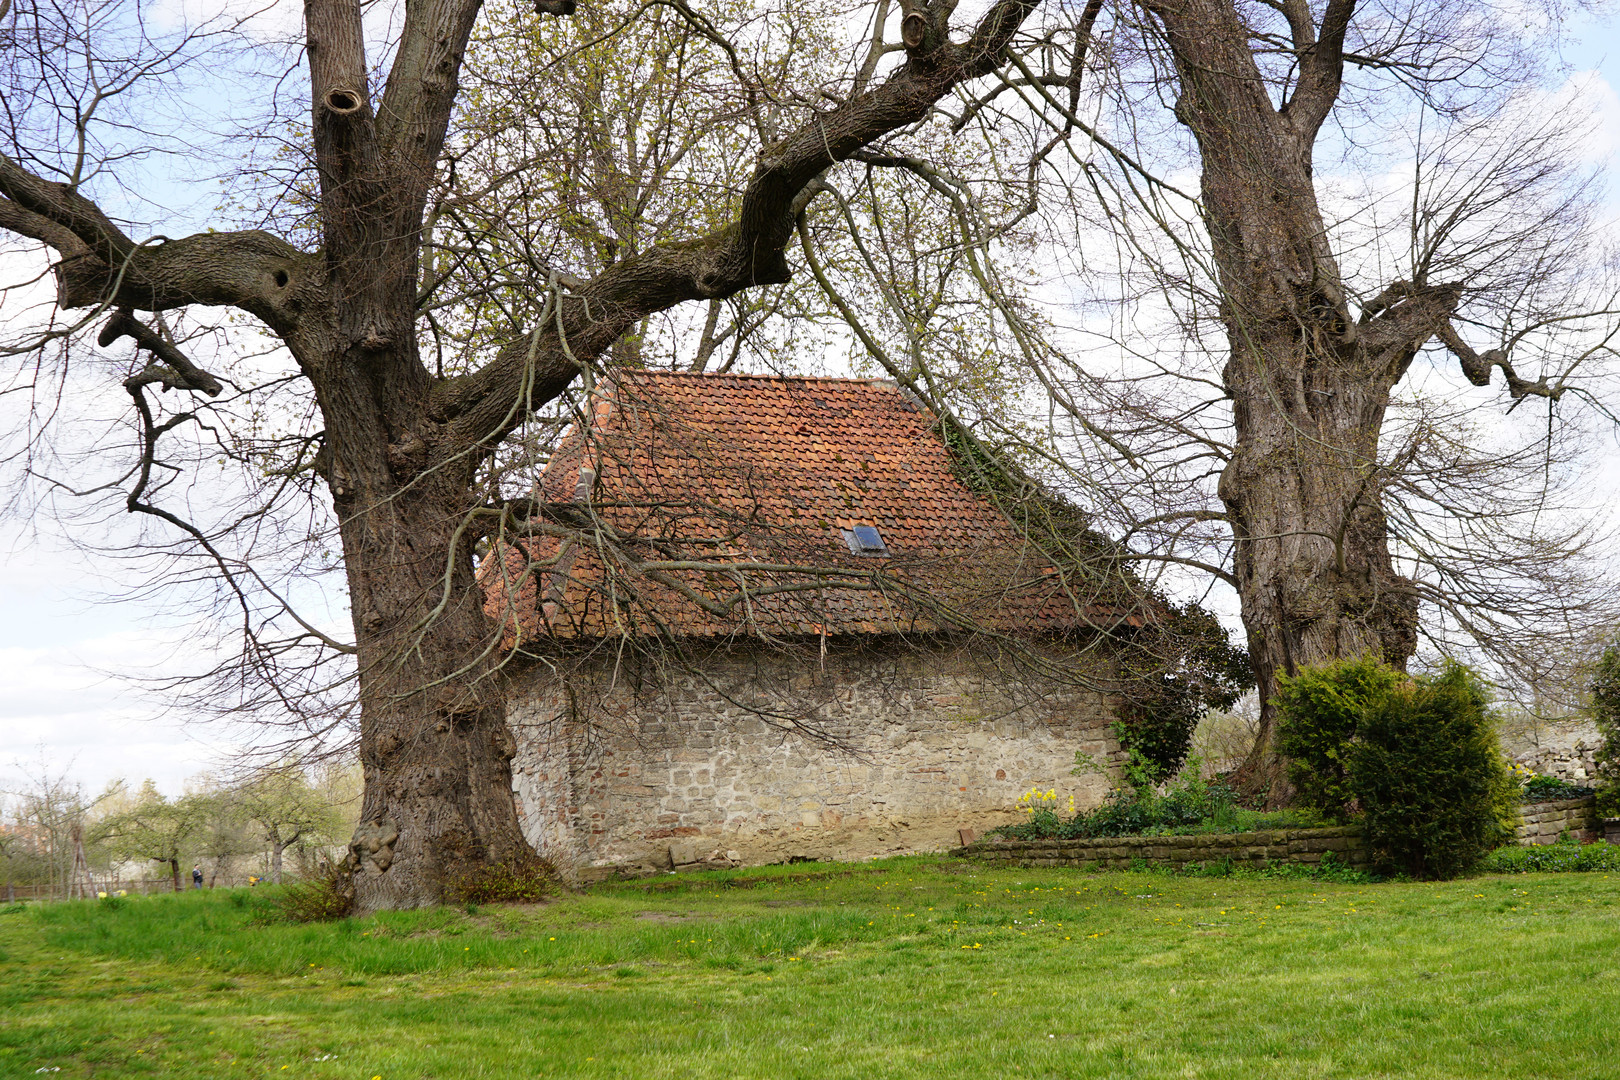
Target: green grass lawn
913,967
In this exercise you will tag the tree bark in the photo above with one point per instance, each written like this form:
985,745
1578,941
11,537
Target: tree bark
435,747
276,847
1309,385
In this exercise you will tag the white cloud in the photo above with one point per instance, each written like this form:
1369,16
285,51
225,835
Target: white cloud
57,703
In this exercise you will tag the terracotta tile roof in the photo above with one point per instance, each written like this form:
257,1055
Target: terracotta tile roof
725,500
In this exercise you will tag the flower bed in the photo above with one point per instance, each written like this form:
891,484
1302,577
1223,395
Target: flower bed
1569,855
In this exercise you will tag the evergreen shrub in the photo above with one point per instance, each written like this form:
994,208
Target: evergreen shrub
1606,711
1418,759
1319,712
1429,775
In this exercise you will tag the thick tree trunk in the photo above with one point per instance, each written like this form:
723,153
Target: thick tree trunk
1309,385
434,744
174,871
1312,553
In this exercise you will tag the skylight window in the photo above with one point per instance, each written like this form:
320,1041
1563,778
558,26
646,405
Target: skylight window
865,540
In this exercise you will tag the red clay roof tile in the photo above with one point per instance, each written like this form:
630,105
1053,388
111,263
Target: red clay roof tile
756,476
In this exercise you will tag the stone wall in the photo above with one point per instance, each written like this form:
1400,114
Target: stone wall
1561,748
1540,823
765,756
1119,852
1543,823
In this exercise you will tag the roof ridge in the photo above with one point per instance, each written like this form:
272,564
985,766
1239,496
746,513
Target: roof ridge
873,381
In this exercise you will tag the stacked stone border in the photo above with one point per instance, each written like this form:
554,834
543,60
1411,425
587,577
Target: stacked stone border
1540,823
1545,822
1120,852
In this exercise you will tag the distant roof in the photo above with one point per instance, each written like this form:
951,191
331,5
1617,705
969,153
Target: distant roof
731,503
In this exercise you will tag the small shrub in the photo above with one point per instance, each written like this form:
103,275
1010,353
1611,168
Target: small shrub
1319,713
510,882
1134,809
1545,788
1191,669
1427,772
322,898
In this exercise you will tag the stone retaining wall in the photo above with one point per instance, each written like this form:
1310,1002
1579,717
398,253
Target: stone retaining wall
1119,852
1561,748
1543,823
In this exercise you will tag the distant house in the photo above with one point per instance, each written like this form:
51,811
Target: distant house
762,619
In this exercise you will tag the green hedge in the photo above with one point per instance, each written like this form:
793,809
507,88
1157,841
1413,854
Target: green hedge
1428,772
1319,715
1416,759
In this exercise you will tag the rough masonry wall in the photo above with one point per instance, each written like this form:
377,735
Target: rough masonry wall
897,750
1545,822
1561,748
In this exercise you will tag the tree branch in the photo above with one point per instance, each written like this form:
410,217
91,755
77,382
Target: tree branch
64,205
420,93
1476,367
100,265
182,373
1321,69
537,367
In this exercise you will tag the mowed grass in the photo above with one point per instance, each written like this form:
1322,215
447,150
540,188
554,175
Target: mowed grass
915,967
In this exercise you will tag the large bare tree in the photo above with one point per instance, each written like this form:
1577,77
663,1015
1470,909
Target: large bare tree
400,444
1311,367
1262,239
1321,476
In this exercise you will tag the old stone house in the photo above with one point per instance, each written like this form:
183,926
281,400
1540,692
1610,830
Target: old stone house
767,621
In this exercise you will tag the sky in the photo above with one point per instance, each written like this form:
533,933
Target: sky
60,638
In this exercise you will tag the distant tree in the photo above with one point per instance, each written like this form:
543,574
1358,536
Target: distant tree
286,809
224,837
47,810
159,830
13,848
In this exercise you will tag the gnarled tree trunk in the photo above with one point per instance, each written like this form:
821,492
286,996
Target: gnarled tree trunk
435,747
1309,384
